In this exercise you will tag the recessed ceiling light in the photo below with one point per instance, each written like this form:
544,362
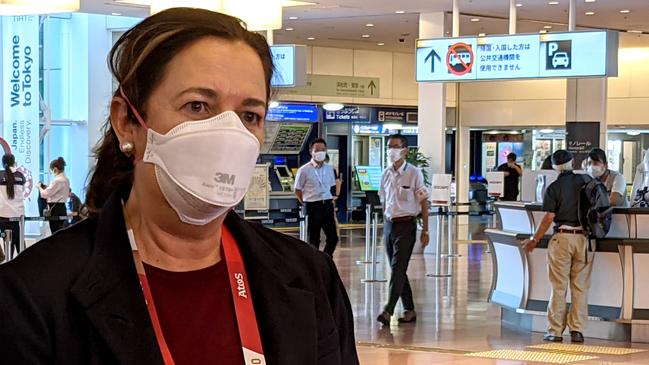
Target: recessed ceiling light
369,25
116,14
293,18
380,44
634,31
633,133
543,31
519,5
273,104
289,29
365,36
589,1
482,34
625,11
553,3
332,107
311,38
547,27
400,11
475,19
590,13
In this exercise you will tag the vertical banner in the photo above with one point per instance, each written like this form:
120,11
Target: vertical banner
581,137
20,107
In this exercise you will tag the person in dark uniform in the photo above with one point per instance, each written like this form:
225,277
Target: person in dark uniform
513,172
569,260
12,201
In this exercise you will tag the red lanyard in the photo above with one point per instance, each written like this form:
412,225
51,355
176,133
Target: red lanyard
253,353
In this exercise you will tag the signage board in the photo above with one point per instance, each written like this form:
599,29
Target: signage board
391,116
349,113
257,197
441,190
496,183
334,85
290,65
21,107
289,138
369,177
524,56
581,137
293,113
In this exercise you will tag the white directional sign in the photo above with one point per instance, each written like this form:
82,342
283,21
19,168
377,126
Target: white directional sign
575,54
290,65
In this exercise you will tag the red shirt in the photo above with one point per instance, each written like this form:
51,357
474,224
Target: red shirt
197,315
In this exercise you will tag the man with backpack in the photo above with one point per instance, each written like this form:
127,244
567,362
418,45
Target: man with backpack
578,207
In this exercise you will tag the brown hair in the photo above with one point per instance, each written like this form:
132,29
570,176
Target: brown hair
59,163
138,61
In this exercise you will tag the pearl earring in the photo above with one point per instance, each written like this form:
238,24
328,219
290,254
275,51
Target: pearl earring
127,148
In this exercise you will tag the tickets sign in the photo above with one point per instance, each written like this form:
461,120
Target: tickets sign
573,54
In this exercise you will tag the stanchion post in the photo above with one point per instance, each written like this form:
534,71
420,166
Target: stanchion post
438,248
373,261
23,245
368,234
449,251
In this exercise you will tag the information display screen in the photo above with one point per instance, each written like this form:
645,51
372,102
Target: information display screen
573,54
369,177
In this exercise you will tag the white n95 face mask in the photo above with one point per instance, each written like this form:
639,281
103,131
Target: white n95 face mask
394,154
320,156
203,167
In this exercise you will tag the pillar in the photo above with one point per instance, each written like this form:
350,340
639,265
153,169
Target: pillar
586,102
432,103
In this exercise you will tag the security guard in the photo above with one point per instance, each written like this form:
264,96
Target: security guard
313,187
404,196
569,260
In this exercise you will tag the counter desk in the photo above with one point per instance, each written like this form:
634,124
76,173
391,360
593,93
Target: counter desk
618,300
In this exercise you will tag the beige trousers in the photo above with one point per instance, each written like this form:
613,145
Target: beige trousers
567,265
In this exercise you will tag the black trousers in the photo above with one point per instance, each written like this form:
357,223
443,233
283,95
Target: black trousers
5,224
399,239
57,210
321,217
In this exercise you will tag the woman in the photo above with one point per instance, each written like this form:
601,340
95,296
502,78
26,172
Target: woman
56,194
12,196
165,273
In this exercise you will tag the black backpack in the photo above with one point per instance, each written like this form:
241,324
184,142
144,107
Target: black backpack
595,211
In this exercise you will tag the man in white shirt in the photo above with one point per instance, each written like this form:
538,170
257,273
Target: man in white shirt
404,196
597,167
314,183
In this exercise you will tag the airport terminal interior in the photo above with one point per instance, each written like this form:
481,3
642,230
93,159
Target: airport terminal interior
480,92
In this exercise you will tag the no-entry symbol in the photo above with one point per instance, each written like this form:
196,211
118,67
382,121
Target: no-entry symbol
459,59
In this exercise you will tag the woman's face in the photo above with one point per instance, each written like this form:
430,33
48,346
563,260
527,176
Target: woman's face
206,79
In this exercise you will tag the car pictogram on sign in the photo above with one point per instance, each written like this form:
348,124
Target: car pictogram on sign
460,59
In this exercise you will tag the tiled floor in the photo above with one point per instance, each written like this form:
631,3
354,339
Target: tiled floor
454,318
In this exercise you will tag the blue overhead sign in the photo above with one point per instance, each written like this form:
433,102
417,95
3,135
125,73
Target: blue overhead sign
574,54
349,114
290,65
293,113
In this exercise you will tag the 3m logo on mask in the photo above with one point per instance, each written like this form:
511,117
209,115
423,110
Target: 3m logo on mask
226,179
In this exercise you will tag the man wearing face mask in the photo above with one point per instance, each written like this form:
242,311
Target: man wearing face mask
597,168
313,187
404,196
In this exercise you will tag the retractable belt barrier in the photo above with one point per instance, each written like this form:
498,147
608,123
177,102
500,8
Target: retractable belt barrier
8,234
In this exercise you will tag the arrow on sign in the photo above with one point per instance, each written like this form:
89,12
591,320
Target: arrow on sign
432,55
371,86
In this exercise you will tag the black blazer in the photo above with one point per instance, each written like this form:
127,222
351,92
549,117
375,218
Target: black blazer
74,298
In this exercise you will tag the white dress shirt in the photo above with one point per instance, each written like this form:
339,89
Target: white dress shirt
12,208
402,191
315,181
58,191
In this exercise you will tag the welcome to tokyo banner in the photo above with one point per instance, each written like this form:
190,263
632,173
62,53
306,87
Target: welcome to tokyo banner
20,104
